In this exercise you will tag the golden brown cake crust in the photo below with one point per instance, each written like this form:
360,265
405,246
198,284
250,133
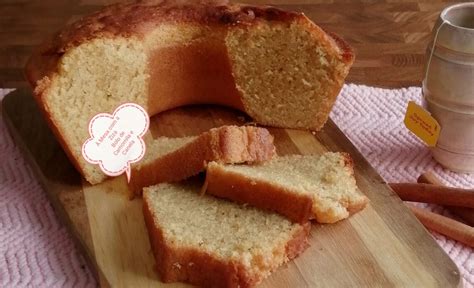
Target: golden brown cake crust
227,144
348,55
137,18
192,266
349,164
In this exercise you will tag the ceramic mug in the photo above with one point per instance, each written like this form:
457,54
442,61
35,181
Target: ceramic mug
448,86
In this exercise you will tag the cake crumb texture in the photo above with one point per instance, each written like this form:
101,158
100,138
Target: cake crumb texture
211,242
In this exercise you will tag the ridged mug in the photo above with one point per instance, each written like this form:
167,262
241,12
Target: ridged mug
448,86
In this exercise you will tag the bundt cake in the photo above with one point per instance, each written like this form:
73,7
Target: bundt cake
276,66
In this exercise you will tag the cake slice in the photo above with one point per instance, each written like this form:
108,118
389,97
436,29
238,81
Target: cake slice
210,242
170,160
298,187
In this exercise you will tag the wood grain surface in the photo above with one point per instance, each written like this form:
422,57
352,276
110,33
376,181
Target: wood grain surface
384,245
389,36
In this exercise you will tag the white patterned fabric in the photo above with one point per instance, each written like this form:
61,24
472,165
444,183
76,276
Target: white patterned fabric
372,118
36,250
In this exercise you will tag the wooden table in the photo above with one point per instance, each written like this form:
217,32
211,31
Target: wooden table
389,36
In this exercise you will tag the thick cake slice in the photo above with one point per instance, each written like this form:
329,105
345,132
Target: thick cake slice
299,187
210,242
170,160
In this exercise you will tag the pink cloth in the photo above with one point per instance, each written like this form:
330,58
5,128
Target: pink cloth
372,118
36,250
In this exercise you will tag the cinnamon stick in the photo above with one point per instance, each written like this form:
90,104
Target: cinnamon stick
436,194
465,214
444,225
429,178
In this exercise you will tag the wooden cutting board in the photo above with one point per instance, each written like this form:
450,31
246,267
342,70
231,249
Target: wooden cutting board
384,245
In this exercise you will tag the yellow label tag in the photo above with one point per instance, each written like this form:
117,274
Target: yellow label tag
422,124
